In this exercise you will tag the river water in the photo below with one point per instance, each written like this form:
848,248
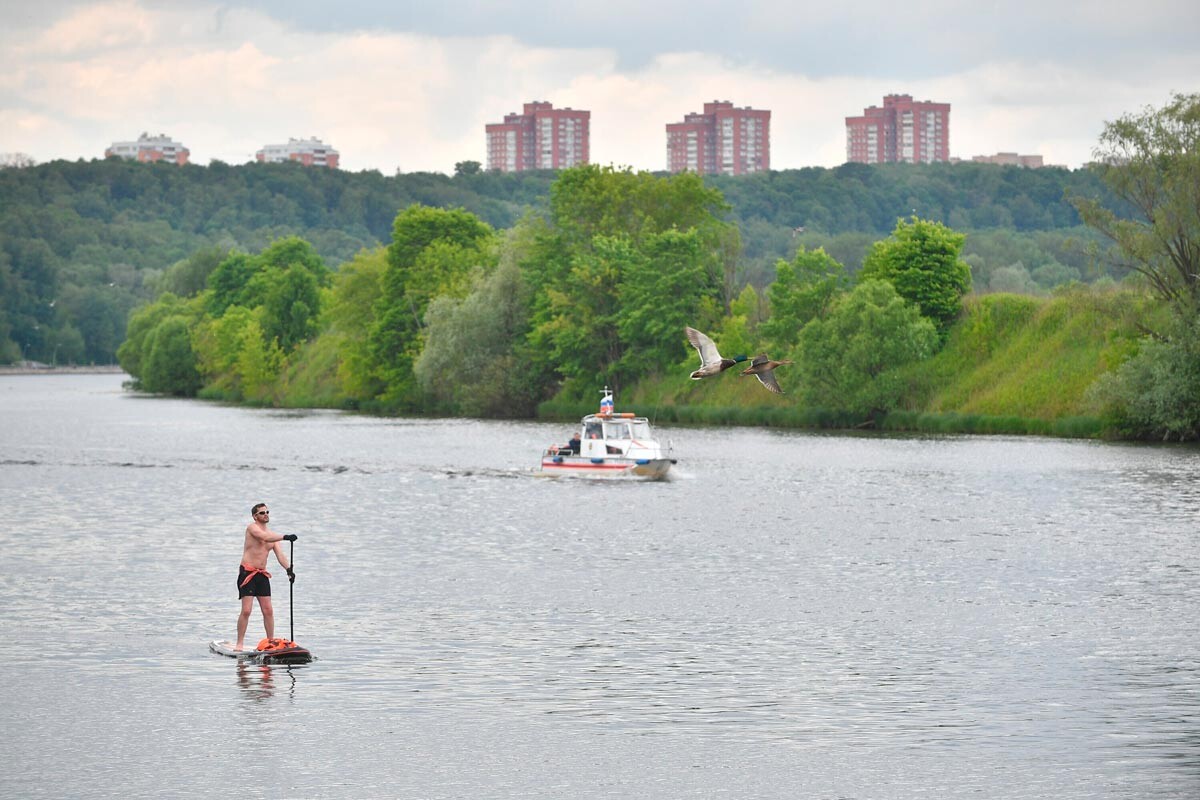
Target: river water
792,615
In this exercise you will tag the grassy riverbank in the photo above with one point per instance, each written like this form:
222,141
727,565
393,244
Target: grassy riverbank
1013,364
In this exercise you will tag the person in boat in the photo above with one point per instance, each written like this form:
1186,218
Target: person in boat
574,444
253,579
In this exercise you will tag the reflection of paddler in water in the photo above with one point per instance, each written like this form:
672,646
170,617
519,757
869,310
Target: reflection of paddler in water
253,578
258,680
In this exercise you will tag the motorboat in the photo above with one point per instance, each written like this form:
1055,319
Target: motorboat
609,444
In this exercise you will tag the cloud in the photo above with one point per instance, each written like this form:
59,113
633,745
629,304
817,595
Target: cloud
226,80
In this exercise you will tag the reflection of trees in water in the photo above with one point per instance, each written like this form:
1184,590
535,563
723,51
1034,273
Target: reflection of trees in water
261,681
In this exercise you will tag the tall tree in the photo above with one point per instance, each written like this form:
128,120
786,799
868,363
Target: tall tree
1151,161
432,252
290,307
471,362
351,316
622,253
660,294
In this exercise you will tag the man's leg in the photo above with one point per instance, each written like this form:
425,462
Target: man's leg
268,612
244,620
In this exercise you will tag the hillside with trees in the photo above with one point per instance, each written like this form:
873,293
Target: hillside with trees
455,316
83,243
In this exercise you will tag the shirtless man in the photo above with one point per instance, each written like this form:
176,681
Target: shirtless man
253,578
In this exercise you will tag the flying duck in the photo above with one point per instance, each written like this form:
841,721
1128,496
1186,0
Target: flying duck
763,368
711,362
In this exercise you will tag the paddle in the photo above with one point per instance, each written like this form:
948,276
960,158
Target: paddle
291,585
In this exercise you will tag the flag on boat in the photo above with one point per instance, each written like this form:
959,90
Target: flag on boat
606,404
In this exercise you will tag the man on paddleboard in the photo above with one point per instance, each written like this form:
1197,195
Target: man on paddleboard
253,578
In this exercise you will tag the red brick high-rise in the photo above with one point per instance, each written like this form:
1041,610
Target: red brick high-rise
542,137
914,132
721,141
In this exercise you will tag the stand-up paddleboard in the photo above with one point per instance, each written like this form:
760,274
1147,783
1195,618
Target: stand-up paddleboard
295,654
271,651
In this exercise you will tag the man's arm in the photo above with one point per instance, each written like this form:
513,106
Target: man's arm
269,536
281,558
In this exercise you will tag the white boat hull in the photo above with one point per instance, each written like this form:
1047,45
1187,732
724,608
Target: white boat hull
646,469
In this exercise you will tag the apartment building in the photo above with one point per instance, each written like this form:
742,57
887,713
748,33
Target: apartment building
310,152
150,148
540,137
723,140
903,130
1011,159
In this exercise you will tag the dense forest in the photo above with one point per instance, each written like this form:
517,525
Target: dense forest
84,243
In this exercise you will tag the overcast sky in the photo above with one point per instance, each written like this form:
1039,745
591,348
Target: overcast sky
410,85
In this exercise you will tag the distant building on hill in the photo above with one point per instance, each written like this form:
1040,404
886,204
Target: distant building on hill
722,140
541,137
310,152
150,148
904,130
1011,159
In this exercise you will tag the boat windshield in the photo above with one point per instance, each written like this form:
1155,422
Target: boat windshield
593,430
641,429
616,430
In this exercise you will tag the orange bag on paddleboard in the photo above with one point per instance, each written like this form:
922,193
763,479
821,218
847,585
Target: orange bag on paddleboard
266,645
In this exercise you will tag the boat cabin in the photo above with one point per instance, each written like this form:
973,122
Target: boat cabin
611,434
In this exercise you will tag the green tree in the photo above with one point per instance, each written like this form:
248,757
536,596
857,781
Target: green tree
290,307
803,290
170,364
190,276
246,280
579,334
749,304
921,260
471,362
351,317
432,252
589,201
660,293
142,322
218,345
1154,394
1151,161
849,360
258,363
228,284
623,262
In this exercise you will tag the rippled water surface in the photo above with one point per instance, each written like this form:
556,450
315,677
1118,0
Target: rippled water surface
793,615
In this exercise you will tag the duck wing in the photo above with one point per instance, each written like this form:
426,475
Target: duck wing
767,379
705,347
